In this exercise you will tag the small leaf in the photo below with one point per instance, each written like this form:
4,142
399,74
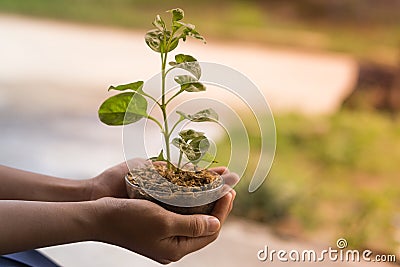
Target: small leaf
181,58
160,157
193,87
205,115
200,144
159,23
189,30
123,109
154,39
188,26
185,148
178,142
176,26
201,116
136,86
188,63
184,79
196,35
189,83
174,44
190,134
177,14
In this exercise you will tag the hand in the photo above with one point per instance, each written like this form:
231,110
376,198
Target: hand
111,182
148,229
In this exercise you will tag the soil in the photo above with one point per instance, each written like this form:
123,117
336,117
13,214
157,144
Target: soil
163,180
179,191
188,178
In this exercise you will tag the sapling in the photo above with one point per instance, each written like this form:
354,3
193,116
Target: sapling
131,105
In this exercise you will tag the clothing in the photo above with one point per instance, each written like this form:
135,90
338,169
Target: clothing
30,258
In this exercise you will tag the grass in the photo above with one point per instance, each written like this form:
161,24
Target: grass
234,20
332,177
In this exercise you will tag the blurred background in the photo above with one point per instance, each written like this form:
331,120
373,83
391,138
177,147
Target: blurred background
329,69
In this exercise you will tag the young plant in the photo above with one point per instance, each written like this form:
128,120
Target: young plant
131,105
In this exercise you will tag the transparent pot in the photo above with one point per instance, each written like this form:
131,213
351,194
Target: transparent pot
178,199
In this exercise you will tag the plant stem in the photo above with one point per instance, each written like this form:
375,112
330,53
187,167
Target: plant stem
164,56
180,159
164,108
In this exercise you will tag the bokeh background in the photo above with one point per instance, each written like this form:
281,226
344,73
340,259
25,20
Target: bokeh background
329,69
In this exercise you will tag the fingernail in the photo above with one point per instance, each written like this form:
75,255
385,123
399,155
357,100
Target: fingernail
213,225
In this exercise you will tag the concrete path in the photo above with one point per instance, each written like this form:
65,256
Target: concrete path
51,70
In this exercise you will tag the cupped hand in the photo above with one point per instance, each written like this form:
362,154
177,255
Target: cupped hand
111,182
148,229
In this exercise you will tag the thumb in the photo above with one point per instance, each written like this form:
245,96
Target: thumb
196,225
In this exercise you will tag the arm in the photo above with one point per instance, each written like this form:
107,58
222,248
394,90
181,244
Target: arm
138,225
23,185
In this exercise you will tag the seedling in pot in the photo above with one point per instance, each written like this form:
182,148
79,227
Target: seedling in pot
131,105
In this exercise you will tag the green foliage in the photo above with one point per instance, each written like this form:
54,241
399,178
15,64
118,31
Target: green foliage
130,107
333,174
136,86
123,109
201,116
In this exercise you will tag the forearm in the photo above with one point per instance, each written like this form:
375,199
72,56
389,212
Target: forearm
27,224
23,185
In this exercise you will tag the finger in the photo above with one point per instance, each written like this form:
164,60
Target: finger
188,245
220,170
230,179
195,225
233,192
221,209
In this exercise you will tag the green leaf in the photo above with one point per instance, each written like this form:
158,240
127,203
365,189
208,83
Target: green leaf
160,157
186,149
189,30
194,34
176,26
184,79
189,83
190,134
177,14
200,144
193,87
174,44
181,58
201,116
154,39
159,23
178,142
123,109
187,63
136,86
188,26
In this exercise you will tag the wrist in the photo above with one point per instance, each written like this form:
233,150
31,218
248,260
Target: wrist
103,211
